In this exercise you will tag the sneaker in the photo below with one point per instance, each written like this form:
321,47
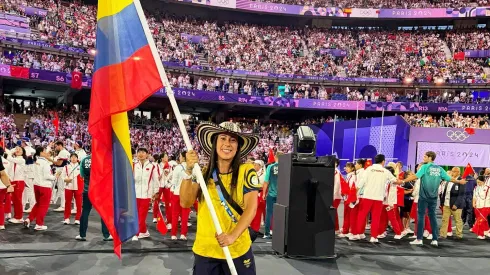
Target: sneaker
16,221
354,238
144,235
348,235
154,220
373,240
362,237
426,233
341,235
59,209
368,226
434,243
413,237
151,210
429,237
28,210
398,237
271,232
471,229
173,238
169,226
77,222
108,239
66,221
189,224
338,232
27,223
41,227
382,236
267,237
449,234
73,211
183,238
417,242
408,231
134,239
78,238
2,227
8,216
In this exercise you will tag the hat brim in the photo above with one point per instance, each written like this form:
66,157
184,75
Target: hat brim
206,132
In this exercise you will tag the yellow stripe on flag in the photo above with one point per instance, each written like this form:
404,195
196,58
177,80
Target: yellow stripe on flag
111,7
120,126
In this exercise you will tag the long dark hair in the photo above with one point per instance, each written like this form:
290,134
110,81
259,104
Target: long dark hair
39,150
24,154
213,165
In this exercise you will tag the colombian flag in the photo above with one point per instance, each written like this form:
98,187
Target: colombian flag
125,75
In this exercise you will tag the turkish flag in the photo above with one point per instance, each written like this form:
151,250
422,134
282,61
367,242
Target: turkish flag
470,131
76,80
468,171
271,158
459,56
19,72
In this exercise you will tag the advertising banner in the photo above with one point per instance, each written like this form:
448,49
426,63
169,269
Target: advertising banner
4,70
34,11
334,52
47,75
476,53
462,154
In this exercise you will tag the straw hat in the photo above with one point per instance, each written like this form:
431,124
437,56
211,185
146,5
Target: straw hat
206,132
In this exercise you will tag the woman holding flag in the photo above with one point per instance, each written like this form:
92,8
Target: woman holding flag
233,188
481,204
349,193
16,170
70,175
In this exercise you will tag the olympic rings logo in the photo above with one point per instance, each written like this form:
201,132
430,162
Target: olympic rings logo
223,2
457,135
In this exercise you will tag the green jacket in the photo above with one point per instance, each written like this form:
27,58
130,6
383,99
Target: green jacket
85,165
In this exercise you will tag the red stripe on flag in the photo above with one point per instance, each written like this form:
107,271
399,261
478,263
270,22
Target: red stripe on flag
138,77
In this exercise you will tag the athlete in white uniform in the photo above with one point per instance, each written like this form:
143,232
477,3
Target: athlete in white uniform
60,161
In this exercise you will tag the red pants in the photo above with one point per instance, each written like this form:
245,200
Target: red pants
367,206
168,207
392,217
481,224
40,209
255,225
195,205
143,208
335,204
414,216
348,221
69,194
3,193
8,203
177,211
17,199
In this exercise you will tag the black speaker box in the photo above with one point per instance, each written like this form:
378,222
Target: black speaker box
303,214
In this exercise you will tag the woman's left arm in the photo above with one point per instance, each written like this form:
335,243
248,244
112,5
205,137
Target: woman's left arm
250,203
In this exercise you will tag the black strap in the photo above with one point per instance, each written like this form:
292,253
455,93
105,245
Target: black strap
227,196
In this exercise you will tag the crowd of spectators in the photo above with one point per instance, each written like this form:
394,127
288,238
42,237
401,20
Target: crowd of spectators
410,4
455,120
281,50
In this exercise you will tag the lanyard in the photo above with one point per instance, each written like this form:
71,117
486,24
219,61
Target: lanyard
222,199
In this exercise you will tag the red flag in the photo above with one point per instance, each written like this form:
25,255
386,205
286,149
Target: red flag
56,123
344,185
459,56
2,142
76,80
271,158
161,226
400,196
468,171
19,72
352,197
368,163
470,131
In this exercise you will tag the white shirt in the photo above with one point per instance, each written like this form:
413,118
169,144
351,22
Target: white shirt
81,154
42,173
29,169
448,193
336,185
63,155
482,196
145,179
416,191
16,168
374,180
177,177
391,198
71,171
6,165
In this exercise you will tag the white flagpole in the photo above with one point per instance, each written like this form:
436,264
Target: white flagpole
381,131
333,135
185,136
355,133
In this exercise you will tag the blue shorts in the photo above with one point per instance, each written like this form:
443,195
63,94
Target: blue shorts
245,265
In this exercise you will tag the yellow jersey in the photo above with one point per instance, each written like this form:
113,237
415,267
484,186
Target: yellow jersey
206,244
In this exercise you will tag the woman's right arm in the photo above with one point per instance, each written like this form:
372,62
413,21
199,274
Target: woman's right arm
189,190
47,173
